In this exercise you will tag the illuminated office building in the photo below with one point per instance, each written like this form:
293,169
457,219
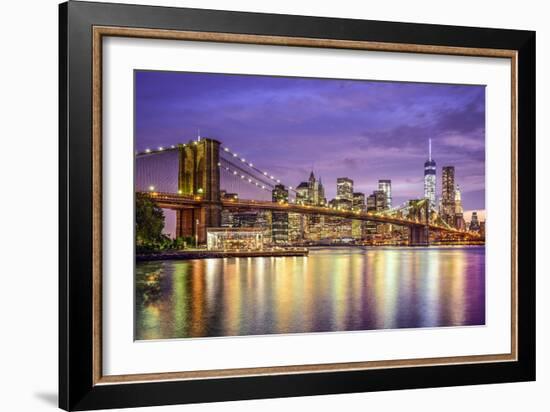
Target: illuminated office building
358,201
279,220
430,177
474,223
448,193
344,189
385,187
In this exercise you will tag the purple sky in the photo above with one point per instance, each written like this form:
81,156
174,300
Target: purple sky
364,130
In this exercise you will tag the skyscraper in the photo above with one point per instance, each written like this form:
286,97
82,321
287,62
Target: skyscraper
430,176
359,201
358,226
344,189
296,224
458,200
321,193
381,200
311,192
279,220
459,211
474,223
448,195
302,193
385,186
313,189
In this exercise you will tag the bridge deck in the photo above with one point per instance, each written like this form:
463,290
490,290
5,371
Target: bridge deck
176,201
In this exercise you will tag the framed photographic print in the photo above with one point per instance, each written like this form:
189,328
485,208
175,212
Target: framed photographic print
257,205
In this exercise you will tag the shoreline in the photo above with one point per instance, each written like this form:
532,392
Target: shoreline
218,254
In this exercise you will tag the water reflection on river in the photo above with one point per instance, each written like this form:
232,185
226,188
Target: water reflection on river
333,289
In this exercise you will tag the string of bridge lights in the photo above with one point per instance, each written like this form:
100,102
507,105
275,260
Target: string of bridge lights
264,173
157,150
251,165
163,148
243,177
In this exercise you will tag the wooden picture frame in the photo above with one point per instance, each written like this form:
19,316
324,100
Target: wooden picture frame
82,27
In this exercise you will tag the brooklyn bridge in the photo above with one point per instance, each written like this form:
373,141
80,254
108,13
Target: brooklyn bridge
186,177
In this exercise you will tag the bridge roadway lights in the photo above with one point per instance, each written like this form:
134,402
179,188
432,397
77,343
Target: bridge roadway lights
419,236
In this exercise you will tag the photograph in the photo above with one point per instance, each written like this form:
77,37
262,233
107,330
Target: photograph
285,205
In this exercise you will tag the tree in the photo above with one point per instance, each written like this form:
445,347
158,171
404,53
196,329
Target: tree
149,220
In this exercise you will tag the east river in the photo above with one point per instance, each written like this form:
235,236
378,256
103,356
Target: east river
333,289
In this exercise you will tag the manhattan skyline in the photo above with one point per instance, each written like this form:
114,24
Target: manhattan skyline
364,130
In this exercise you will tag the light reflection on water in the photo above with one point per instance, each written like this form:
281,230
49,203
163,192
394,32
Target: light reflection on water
336,289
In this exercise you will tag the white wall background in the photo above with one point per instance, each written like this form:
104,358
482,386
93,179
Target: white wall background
28,169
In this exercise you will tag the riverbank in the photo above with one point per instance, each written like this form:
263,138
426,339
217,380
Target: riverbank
210,254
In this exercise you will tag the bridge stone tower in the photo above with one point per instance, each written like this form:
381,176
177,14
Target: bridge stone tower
420,235
199,176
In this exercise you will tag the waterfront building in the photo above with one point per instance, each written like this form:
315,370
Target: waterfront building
227,218
314,225
430,177
234,238
358,227
226,215
344,189
245,218
296,226
260,219
448,193
370,227
344,228
336,228
384,186
279,220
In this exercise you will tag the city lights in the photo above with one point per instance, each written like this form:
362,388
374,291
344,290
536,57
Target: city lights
380,220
